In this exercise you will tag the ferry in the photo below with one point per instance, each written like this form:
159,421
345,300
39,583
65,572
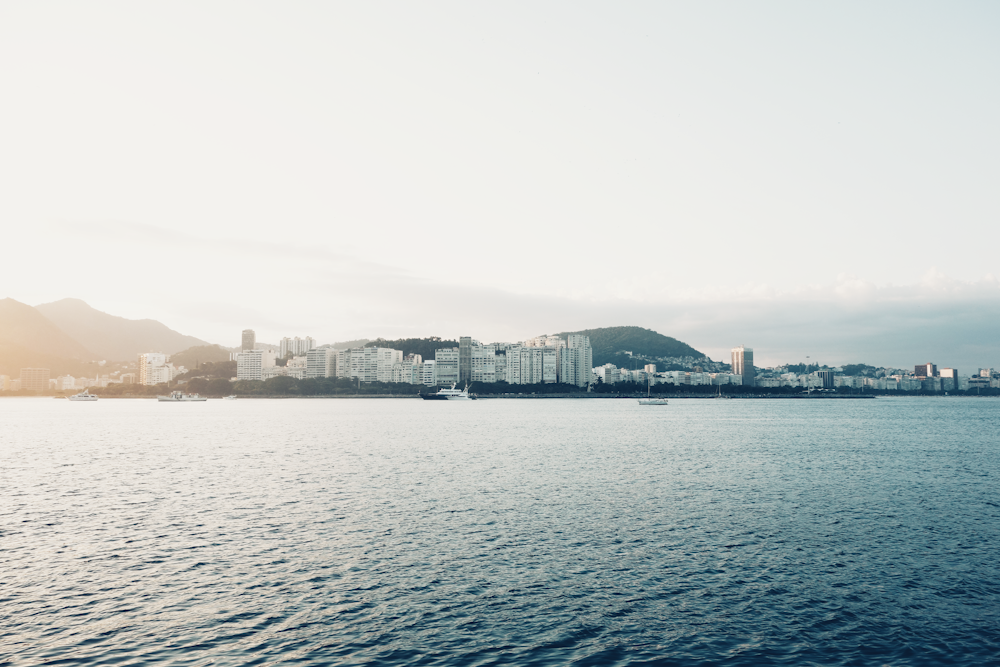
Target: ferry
83,396
450,395
180,397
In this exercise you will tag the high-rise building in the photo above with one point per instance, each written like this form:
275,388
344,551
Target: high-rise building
925,370
446,368
35,379
295,346
250,364
484,367
532,365
576,361
742,364
369,364
949,379
826,377
321,362
428,373
249,340
155,368
465,345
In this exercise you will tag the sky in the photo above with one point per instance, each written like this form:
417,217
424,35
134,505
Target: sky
807,179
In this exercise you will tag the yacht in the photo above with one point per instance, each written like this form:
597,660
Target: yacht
231,398
180,397
450,395
649,400
83,396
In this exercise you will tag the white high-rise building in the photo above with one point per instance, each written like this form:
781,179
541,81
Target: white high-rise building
576,361
250,364
321,362
155,368
446,367
369,364
428,373
532,365
408,370
295,346
484,367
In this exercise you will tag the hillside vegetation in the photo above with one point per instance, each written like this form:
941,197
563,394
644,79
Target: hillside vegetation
609,344
425,347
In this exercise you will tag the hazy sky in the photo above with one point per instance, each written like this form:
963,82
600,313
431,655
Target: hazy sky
803,178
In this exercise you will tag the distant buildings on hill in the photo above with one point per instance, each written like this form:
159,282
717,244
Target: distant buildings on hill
552,359
546,359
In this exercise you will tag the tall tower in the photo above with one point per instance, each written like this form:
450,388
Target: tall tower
249,340
465,359
743,364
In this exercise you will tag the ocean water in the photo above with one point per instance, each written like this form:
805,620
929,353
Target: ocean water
500,532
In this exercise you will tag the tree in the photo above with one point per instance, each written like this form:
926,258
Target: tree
219,387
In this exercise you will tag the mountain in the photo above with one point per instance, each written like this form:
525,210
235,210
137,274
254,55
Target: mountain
114,338
28,339
610,343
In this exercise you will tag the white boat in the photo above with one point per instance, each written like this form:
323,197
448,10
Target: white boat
180,397
450,395
649,400
652,401
83,396
231,398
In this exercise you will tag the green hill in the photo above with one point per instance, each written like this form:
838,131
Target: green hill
610,343
425,347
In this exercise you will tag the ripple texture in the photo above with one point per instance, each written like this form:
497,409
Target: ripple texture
500,532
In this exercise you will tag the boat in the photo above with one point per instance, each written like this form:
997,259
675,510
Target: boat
649,400
231,398
83,396
450,394
180,397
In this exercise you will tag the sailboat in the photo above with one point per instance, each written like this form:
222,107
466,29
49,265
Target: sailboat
649,400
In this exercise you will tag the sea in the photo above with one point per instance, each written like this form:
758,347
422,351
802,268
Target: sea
500,532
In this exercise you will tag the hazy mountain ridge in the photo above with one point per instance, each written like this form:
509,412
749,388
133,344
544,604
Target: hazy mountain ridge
68,336
111,337
29,339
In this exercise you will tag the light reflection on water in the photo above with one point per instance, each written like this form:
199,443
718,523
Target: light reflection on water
499,532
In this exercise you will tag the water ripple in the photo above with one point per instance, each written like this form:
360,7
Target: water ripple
499,533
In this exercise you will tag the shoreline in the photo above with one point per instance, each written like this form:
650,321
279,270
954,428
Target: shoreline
487,397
